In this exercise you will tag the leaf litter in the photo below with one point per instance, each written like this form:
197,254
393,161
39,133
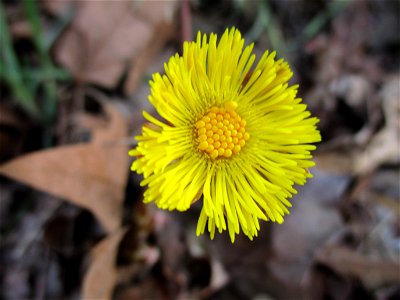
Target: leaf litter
341,240
91,175
124,34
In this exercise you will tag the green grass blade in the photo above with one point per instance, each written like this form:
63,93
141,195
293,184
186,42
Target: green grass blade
10,69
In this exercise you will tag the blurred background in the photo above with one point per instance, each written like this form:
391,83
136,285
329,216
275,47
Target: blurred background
74,82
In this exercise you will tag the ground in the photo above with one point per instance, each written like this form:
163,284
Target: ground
74,81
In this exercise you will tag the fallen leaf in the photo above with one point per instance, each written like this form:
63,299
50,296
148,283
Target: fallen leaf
20,29
106,36
147,288
145,57
371,271
353,89
91,175
102,275
57,8
335,162
312,221
321,282
219,278
161,15
88,121
384,147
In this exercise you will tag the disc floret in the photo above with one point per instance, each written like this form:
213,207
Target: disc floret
221,132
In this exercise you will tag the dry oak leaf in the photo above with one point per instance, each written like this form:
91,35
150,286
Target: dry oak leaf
101,277
161,16
91,175
107,36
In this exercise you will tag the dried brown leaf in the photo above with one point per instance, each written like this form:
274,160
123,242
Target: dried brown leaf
91,175
372,272
105,36
384,147
335,162
308,226
160,15
58,7
102,275
164,32
148,288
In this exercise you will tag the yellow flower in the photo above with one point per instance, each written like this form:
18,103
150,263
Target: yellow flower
234,134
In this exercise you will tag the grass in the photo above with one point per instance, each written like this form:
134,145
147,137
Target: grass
25,80
11,71
267,23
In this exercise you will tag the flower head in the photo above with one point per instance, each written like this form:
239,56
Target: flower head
230,133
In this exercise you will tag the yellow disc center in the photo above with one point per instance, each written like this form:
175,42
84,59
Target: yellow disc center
221,132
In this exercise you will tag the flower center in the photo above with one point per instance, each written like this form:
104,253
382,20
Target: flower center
221,132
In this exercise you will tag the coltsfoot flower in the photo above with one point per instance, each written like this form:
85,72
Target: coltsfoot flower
233,135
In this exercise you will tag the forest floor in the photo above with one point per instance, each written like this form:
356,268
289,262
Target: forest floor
74,82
